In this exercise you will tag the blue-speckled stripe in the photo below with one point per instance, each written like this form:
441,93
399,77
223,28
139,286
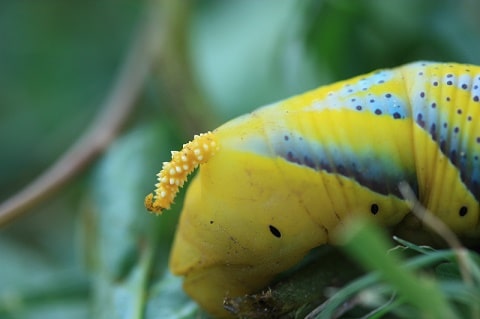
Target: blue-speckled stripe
375,172
449,123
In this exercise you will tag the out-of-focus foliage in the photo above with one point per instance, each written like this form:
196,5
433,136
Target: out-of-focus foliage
92,251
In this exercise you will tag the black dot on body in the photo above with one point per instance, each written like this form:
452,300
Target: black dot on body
378,111
463,211
374,209
211,222
275,232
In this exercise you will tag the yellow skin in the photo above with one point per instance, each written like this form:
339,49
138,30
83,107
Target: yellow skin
276,183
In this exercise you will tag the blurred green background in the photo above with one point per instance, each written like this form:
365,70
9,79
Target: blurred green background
91,250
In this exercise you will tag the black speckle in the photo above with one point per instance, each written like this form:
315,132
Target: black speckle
275,232
388,95
372,101
211,222
447,99
443,146
453,157
476,98
420,120
422,94
449,75
459,111
456,129
469,118
359,107
478,139
309,162
435,83
463,211
434,105
286,138
449,82
396,115
464,86
433,131
378,111
374,209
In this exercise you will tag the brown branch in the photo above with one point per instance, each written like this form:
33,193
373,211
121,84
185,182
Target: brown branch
115,110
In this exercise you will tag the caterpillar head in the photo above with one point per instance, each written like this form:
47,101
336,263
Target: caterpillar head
174,173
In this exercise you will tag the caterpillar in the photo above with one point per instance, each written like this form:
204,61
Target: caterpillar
277,182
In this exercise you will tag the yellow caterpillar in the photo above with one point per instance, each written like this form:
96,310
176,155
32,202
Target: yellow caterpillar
275,183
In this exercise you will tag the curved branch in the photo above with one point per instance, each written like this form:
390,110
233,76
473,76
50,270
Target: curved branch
115,110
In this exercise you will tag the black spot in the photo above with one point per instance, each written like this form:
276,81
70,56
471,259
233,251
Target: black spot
447,99
478,140
359,107
378,111
374,209
456,129
286,137
275,232
435,83
211,222
476,98
396,115
449,75
388,95
422,94
449,82
434,105
459,111
464,86
469,118
463,211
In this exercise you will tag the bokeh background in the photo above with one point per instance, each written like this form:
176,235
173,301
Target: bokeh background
90,250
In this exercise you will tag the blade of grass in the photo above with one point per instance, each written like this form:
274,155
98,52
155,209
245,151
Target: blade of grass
420,292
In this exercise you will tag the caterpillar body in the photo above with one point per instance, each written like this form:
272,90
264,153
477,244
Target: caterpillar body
275,183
